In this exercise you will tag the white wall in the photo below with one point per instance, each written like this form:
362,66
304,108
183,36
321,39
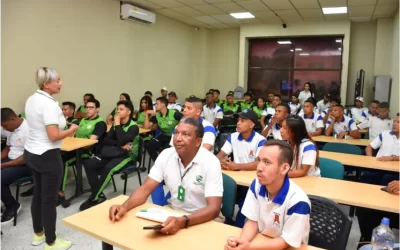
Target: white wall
394,97
294,29
383,50
93,50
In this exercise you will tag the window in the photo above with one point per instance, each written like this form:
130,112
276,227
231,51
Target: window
284,65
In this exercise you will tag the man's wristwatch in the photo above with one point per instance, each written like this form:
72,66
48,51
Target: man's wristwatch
187,221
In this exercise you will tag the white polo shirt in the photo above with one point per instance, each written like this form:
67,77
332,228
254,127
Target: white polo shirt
17,139
294,108
268,111
209,133
42,110
312,123
388,144
210,114
356,114
5,133
308,156
244,151
322,106
202,178
367,114
275,130
345,125
176,106
376,125
303,96
286,216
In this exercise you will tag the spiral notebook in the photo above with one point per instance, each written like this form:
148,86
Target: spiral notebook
156,214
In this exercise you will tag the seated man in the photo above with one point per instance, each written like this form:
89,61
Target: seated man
274,125
166,120
274,206
68,109
357,111
12,161
245,145
172,104
372,110
230,105
379,123
190,172
248,102
313,121
325,114
212,112
92,127
270,112
294,105
324,103
81,111
341,125
217,101
120,147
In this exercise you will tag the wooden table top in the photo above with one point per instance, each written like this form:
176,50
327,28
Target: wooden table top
361,161
345,192
72,143
141,130
129,234
356,142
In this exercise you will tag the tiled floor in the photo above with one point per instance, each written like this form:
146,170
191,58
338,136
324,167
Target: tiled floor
19,237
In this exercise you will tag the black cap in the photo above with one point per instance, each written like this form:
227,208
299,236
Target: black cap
248,94
248,114
172,93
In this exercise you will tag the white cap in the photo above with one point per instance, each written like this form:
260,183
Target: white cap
164,88
360,99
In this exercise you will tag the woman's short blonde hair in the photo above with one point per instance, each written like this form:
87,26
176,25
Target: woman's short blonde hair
45,74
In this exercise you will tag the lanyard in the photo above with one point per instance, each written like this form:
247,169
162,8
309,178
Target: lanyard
184,174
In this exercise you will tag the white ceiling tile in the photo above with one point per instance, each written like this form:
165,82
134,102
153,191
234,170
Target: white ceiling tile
187,11
305,4
229,7
314,18
251,21
192,2
333,3
337,17
385,10
384,2
220,26
362,2
360,11
254,5
234,25
167,3
226,19
289,15
145,4
311,13
206,19
170,13
218,1
278,4
191,21
266,16
208,9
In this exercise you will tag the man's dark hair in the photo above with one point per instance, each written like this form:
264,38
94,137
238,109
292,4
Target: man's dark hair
285,149
7,114
199,129
339,106
335,99
148,93
384,105
128,105
376,102
285,106
398,114
162,100
194,99
278,95
90,95
211,90
216,91
69,104
229,95
95,101
311,100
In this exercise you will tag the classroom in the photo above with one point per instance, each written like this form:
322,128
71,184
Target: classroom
286,110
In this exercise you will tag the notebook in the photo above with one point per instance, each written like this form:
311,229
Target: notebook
156,214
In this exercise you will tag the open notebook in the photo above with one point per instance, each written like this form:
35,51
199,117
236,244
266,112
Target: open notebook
156,214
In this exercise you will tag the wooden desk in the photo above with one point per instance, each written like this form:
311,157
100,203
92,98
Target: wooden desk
344,192
141,130
356,142
361,161
128,233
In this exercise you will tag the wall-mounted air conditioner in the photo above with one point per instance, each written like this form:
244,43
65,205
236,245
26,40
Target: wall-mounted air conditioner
131,12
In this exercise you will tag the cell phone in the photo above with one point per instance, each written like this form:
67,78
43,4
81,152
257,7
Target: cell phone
385,189
155,227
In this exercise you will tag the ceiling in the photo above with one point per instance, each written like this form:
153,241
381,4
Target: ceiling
214,14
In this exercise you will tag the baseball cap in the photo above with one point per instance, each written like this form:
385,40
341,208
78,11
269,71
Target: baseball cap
248,114
172,93
360,99
164,88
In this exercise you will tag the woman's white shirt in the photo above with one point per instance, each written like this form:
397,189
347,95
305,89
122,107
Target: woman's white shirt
303,96
308,156
42,110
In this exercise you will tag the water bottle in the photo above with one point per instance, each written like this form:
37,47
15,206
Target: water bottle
382,236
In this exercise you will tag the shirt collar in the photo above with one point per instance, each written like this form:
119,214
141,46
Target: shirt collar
387,118
41,92
277,126
240,137
201,120
281,196
305,117
196,159
215,105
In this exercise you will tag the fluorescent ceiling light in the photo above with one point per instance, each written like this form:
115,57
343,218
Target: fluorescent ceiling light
304,54
339,40
242,15
284,42
299,49
334,10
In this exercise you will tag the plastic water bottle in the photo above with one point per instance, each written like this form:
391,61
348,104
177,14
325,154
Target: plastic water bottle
382,236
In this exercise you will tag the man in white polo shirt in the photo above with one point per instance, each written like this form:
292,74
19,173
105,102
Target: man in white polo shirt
378,124
270,111
172,104
12,161
372,110
212,112
313,121
357,111
245,145
341,125
274,206
190,172
274,125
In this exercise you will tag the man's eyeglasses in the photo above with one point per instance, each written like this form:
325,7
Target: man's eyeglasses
90,107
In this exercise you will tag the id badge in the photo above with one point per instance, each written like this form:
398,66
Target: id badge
181,193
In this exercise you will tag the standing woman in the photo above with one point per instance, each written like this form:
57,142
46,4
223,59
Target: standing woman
306,93
305,160
122,97
42,154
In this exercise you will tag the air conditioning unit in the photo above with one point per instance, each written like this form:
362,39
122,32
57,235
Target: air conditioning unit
130,12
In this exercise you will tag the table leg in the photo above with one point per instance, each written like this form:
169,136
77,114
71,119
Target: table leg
106,246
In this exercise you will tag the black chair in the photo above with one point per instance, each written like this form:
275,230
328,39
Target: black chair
18,183
329,225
